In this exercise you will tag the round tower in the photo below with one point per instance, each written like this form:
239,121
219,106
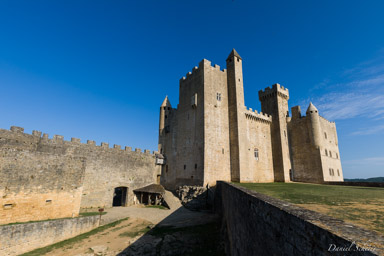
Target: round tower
164,113
315,128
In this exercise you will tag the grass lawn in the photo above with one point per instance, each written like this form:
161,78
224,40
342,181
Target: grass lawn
91,213
363,206
157,206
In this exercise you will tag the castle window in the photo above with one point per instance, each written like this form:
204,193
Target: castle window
337,156
222,150
256,152
330,153
166,116
185,167
48,201
166,168
325,135
194,100
195,166
165,108
338,172
326,152
218,96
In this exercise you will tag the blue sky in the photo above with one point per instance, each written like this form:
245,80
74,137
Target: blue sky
99,70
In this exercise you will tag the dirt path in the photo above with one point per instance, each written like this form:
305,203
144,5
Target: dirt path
174,228
107,243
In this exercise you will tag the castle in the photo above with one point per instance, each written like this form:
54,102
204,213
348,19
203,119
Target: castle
212,135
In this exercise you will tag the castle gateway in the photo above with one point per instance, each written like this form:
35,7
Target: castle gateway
212,135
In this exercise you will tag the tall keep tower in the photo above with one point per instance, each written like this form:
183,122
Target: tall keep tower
235,112
275,102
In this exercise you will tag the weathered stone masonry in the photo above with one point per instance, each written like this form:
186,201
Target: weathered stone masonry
256,224
42,178
20,238
212,135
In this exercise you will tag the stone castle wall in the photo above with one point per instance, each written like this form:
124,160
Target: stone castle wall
255,224
257,136
35,184
331,159
189,160
216,125
42,178
312,163
274,101
20,238
306,161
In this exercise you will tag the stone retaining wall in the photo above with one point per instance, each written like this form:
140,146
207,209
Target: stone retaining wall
255,224
20,238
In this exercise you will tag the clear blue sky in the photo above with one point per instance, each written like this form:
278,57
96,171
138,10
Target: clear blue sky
99,70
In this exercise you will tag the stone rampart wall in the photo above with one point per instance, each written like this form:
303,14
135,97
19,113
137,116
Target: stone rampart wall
20,238
255,224
43,178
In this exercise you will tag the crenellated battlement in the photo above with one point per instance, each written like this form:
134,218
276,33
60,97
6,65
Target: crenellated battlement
323,118
276,89
256,116
203,63
37,137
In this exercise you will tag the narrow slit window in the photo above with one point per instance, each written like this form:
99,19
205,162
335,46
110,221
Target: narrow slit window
338,172
325,135
218,96
326,152
185,167
256,153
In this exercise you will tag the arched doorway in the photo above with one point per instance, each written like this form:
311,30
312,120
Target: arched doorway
120,196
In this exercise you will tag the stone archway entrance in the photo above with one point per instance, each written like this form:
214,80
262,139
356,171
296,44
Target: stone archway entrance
120,196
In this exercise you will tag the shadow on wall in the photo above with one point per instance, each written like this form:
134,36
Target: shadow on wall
184,232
